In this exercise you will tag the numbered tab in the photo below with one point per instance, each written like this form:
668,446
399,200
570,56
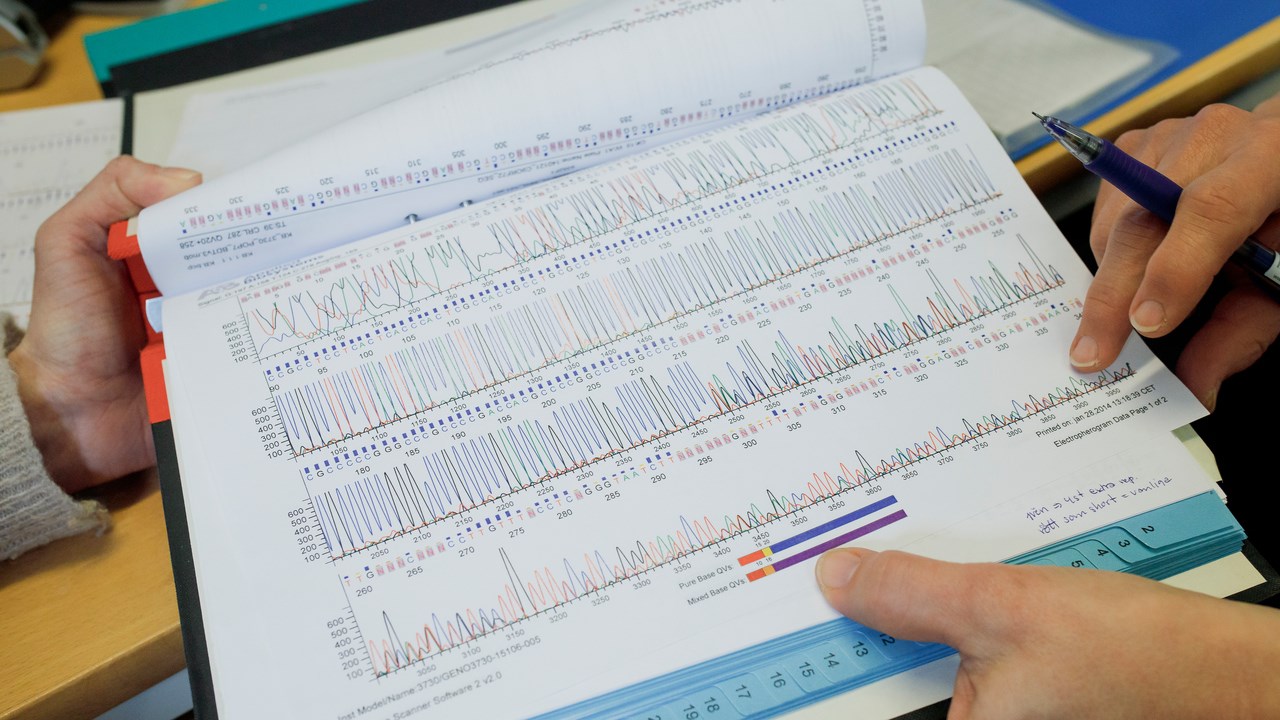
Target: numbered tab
1101,556
861,651
1123,544
803,666
778,680
748,694
894,648
1187,520
1067,557
710,704
1153,533
836,664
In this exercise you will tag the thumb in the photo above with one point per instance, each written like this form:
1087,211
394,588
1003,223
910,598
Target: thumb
118,192
912,597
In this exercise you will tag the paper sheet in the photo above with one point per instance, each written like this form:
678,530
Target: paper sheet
1012,58
483,459
46,156
520,118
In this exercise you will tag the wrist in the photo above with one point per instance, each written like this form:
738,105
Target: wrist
50,422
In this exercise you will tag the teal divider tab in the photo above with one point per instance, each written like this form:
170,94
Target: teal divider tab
185,28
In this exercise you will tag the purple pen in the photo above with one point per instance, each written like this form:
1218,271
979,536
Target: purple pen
1153,191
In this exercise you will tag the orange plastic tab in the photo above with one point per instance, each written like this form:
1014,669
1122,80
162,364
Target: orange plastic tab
153,382
122,244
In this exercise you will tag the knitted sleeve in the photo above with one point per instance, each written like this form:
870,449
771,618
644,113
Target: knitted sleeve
33,509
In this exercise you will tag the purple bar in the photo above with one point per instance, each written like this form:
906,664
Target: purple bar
839,540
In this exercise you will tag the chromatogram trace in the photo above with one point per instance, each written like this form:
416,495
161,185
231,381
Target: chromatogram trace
448,368
472,475
793,239
662,183
586,431
549,588
478,471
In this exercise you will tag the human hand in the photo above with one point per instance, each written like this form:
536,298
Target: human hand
77,367
1151,275
1062,642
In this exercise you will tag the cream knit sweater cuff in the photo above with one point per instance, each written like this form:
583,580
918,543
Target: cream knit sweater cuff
33,509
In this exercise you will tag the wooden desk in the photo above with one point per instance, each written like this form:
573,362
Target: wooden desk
89,622
1205,82
66,76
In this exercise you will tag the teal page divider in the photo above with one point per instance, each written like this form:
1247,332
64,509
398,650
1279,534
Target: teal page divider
194,26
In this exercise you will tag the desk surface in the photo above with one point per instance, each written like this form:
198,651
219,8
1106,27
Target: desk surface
89,622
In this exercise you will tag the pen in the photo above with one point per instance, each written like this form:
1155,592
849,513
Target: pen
1151,190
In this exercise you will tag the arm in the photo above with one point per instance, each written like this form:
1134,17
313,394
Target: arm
1151,275
71,392
1062,642
33,509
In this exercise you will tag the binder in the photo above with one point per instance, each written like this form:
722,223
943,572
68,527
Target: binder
122,244
713,689
762,681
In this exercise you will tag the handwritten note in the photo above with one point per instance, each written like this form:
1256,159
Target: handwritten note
1084,501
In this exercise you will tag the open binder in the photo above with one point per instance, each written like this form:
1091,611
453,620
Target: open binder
767,679
770,678
778,672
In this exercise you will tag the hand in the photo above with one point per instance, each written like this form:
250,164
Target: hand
1151,275
1061,642
77,367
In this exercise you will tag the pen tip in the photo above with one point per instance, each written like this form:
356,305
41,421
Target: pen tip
1038,116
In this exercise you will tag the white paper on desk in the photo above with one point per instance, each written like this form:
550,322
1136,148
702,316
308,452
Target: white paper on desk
46,156
1011,58
522,118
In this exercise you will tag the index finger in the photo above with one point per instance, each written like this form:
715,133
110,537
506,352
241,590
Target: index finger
1215,215
917,598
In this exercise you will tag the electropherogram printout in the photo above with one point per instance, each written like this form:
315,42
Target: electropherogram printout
595,84
592,431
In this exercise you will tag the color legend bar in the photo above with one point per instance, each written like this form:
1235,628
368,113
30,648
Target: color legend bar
825,546
818,530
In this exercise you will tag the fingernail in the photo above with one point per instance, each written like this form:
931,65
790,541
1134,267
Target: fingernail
1211,400
836,568
1084,354
178,173
1149,317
